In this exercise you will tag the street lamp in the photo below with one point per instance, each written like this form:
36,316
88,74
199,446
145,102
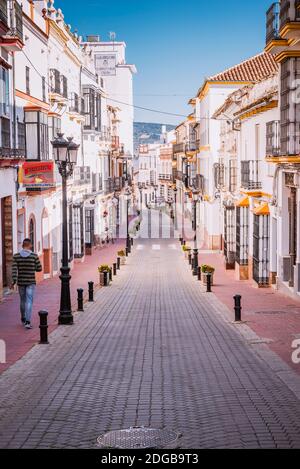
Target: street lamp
127,195
65,156
175,211
155,191
195,257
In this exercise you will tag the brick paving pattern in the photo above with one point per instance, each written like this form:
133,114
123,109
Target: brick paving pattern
153,350
18,341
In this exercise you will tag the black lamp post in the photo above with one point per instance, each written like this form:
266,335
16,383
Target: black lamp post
195,257
65,155
127,198
175,210
155,191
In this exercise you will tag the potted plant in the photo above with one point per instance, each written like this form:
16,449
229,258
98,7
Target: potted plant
103,270
122,256
207,269
186,250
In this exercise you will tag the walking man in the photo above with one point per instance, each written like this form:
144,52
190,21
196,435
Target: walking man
25,264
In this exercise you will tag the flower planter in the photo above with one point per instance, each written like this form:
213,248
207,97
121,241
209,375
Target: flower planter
102,279
204,278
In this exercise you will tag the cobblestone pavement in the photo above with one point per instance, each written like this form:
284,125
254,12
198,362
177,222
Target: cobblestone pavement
153,350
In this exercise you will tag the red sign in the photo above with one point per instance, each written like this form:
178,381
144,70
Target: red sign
37,174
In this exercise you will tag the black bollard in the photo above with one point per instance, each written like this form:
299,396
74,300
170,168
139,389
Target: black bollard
127,251
180,240
91,291
184,242
208,283
190,258
131,241
43,327
114,268
110,274
237,308
199,272
79,299
118,263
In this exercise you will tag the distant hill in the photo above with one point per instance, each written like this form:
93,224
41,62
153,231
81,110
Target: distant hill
145,132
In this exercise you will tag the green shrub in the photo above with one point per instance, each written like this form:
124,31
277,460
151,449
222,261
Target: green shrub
121,253
207,269
104,268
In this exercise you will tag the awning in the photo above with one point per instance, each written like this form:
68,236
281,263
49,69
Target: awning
243,202
262,209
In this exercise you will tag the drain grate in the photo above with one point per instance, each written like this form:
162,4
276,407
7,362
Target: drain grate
271,312
137,438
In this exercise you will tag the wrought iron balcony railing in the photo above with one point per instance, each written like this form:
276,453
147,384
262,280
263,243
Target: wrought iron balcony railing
3,12
250,175
272,27
289,12
273,138
12,153
178,148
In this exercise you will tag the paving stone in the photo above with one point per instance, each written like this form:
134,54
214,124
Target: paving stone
153,349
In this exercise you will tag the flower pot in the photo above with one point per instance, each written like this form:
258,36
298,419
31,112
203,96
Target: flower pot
204,278
102,279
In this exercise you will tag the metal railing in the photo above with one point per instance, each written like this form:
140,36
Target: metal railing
3,12
179,148
12,153
250,175
272,26
273,138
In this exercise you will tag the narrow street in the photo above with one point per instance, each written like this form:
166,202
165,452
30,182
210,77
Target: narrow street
153,350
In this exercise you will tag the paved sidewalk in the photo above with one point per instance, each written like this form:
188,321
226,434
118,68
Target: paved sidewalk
18,340
153,350
272,315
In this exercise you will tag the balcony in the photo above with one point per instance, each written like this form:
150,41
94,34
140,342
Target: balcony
58,87
105,135
82,175
289,12
250,175
273,22
3,16
191,147
165,177
11,156
178,175
198,183
273,138
178,148
11,38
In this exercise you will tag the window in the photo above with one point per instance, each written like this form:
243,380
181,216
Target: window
27,71
37,143
21,136
4,92
89,108
232,175
5,133
44,89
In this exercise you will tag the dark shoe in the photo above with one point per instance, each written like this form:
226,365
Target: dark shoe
23,320
28,325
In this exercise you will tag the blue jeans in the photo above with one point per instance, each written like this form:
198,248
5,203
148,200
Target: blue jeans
26,301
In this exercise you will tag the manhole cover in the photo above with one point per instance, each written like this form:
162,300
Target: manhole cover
271,312
137,437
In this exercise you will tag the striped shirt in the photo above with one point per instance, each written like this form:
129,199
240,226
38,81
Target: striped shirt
24,269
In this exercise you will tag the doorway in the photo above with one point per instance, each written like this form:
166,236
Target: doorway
7,240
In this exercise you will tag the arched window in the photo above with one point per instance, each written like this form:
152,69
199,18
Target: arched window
31,232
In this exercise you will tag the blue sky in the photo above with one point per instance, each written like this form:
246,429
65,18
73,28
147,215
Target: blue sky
174,44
